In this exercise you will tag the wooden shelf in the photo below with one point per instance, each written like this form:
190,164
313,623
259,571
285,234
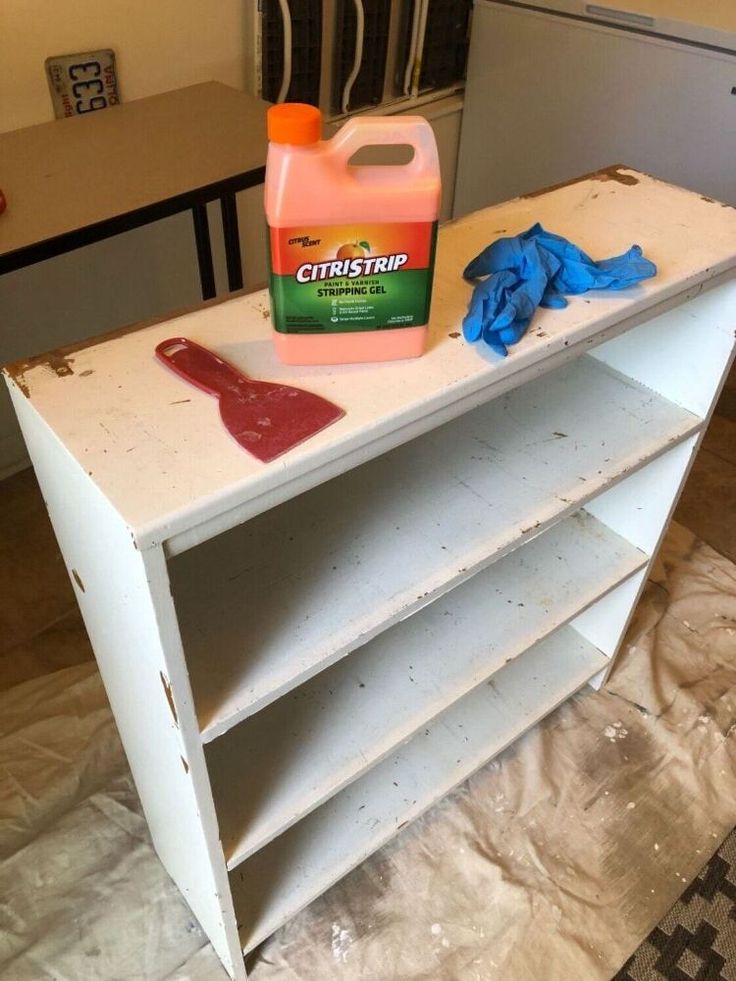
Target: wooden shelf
289,761
285,876
295,589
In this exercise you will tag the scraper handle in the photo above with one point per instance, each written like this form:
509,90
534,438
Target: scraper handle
199,366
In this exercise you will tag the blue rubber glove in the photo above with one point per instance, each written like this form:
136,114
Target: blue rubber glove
535,269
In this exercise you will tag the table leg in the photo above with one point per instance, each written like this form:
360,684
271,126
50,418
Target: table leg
204,250
232,242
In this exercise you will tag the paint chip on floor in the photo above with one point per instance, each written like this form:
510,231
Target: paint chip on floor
341,942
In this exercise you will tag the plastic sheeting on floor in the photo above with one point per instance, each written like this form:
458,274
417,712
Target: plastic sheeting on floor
553,862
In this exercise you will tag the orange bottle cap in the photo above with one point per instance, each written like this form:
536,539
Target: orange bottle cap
294,122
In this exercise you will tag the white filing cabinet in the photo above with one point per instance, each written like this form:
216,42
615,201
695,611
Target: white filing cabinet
558,88
303,656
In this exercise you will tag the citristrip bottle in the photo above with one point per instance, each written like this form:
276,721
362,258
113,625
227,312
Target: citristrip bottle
351,247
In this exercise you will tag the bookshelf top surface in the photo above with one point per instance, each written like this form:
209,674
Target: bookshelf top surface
156,449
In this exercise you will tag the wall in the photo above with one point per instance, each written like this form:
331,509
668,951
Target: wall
159,45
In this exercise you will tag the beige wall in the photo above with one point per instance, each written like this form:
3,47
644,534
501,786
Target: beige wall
159,45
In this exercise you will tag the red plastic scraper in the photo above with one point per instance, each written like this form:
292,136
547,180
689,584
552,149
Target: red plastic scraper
266,418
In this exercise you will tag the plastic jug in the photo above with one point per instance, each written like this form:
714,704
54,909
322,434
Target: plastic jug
351,247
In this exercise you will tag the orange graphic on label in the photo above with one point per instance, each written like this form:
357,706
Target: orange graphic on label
351,250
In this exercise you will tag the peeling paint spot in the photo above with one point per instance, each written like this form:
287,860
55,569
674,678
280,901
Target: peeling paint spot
78,579
59,364
708,200
60,360
19,381
613,173
55,361
169,697
89,371
184,763
455,333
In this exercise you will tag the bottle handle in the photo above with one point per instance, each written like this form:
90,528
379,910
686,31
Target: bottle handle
199,366
414,131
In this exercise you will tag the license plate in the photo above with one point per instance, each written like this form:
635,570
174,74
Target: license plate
82,82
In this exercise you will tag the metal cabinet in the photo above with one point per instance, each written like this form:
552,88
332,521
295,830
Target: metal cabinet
555,93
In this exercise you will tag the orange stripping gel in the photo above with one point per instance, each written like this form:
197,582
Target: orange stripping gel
351,247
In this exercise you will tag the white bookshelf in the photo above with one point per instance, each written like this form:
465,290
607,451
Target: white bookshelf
286,875
378,543
304,656
289,761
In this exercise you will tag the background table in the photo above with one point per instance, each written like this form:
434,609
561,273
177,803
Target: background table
75,181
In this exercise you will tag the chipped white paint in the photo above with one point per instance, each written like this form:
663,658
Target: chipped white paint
341,942
139,478
615,731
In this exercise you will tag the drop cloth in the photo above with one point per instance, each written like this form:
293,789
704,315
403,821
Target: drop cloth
552,863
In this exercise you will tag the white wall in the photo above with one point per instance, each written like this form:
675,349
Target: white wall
159,45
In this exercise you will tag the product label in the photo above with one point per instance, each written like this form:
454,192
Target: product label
336,278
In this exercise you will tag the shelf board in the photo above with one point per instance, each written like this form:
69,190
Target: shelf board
289,760
158,453
293,590
298,866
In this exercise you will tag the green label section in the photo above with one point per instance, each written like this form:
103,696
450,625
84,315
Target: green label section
336,306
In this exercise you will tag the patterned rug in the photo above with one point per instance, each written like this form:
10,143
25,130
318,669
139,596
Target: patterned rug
696,941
